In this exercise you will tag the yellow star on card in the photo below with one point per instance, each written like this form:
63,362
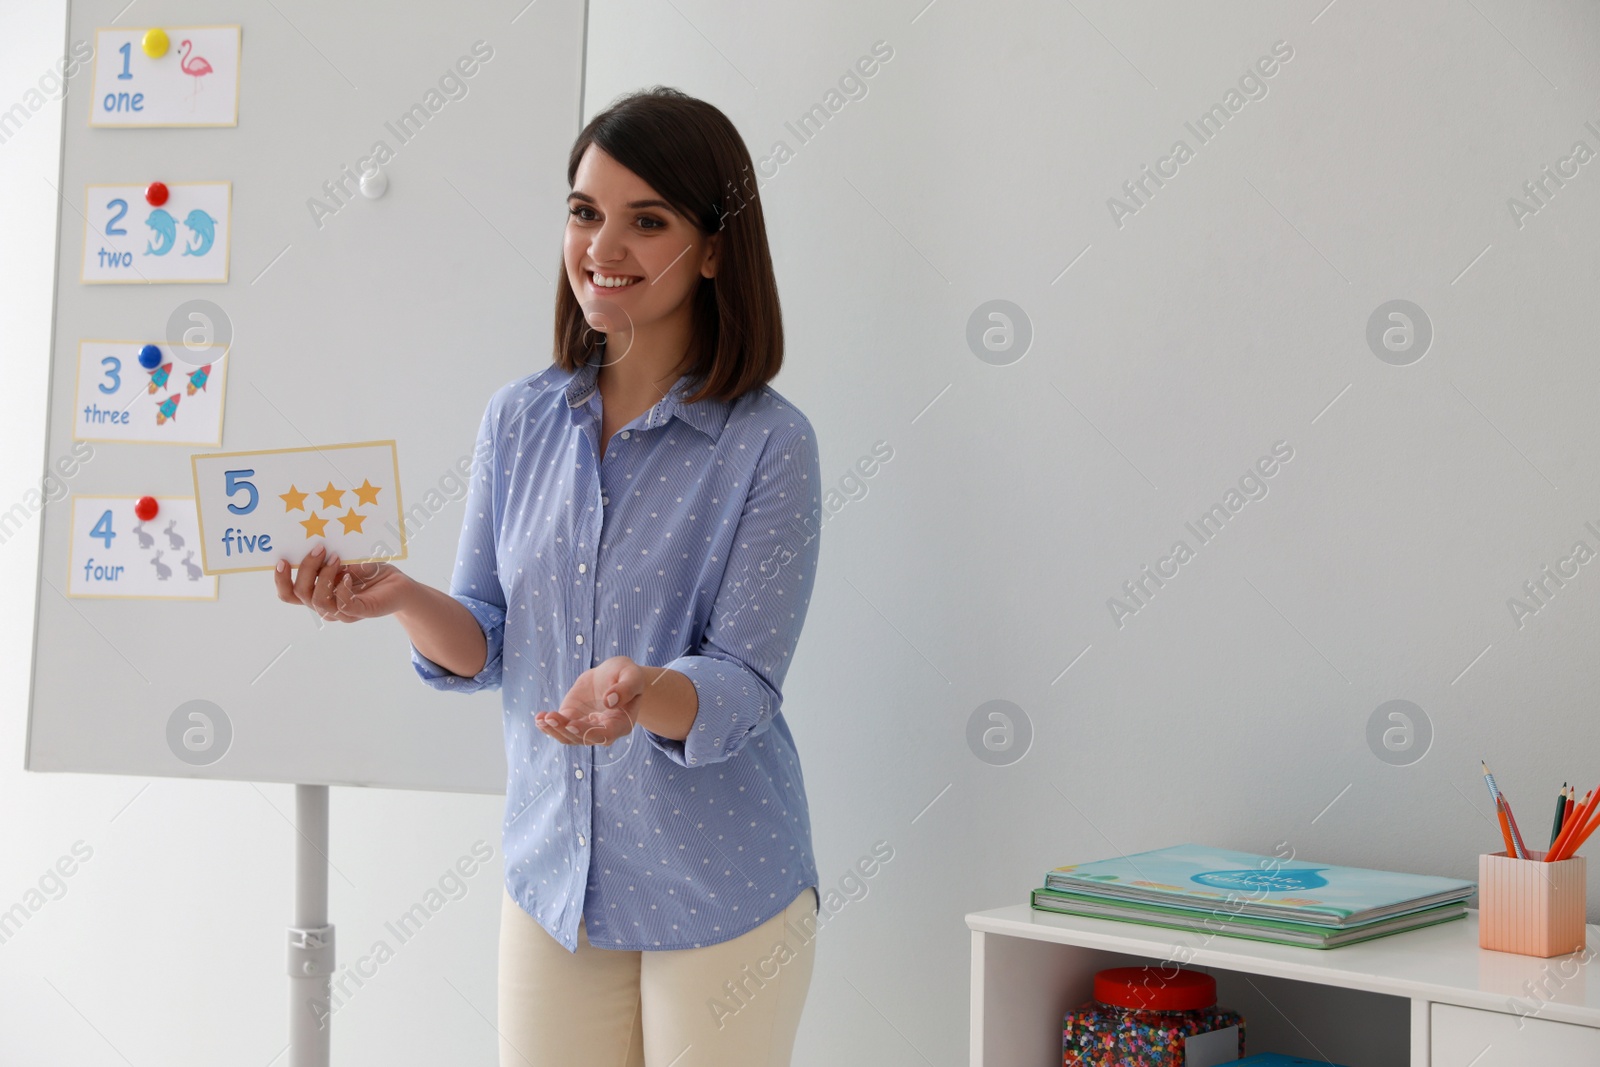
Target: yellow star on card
314,526
330,496
366,492
352,522
293,500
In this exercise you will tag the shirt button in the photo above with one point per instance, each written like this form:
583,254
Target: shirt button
580,839
583,568
605,502
580,639
579,772
626,434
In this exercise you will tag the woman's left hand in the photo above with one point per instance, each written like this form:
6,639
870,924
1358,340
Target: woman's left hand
601,706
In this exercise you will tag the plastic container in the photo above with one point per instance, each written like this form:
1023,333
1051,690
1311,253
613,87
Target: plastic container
1151,1017
1530,906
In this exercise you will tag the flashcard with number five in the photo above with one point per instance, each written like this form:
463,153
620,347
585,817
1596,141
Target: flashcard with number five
259,507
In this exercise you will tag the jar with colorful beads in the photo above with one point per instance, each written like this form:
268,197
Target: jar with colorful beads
1151,1017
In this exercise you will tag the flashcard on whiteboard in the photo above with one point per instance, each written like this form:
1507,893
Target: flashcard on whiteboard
259,507
114,554
194,82
177,402
183,240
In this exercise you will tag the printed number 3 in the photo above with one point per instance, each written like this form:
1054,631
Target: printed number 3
113,380
233,481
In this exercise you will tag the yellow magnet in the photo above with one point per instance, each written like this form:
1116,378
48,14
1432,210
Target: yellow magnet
155,43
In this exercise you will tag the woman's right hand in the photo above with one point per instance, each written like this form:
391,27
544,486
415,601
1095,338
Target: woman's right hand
340,593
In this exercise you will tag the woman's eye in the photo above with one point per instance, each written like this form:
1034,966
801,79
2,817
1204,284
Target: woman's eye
648,222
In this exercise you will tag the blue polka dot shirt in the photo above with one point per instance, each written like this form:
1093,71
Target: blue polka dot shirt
693,546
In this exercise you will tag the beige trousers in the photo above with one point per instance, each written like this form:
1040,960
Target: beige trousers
606,1007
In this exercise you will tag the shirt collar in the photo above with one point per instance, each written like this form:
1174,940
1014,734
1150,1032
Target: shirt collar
708,415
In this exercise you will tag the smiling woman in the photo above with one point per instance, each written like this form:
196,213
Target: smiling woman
614,580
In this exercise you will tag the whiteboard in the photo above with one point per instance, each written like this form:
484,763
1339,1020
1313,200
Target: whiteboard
393,318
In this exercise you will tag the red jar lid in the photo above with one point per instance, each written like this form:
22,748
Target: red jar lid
1155,988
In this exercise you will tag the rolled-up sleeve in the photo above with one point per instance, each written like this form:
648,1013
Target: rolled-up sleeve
740,663
475,582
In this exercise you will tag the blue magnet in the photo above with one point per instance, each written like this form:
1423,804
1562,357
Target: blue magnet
149,357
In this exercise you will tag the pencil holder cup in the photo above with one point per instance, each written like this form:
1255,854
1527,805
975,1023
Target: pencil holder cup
1529,906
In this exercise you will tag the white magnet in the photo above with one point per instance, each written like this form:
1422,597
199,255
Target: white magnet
374,185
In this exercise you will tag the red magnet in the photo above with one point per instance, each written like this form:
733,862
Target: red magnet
156,194
146,508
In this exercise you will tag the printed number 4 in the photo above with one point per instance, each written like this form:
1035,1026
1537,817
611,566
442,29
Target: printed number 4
232,482
102,529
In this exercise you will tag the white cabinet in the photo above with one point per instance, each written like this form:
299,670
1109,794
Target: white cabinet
1467,1007
1468,1037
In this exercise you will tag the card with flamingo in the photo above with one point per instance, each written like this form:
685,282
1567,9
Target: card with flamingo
257,508
192,81
150,391
117,554
129,238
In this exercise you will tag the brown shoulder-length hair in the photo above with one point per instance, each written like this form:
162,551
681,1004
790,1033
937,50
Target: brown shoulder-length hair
693,157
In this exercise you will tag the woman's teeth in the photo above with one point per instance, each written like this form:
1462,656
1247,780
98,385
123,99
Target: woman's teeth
611,283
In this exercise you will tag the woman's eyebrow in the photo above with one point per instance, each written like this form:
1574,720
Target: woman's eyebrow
575,195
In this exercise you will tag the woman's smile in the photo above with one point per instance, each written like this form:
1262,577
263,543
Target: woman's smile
610,283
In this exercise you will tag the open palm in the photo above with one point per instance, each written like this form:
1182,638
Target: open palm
584,718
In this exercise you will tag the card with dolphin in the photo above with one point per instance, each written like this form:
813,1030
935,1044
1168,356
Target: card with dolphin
183,239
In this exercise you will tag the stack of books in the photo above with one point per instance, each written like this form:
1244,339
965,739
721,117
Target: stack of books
1240,894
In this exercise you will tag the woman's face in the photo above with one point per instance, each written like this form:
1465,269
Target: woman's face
619,226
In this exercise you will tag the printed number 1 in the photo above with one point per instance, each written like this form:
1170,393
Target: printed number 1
126,50
232,482
102,529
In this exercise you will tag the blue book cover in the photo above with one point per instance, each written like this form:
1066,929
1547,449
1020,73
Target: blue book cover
1274,887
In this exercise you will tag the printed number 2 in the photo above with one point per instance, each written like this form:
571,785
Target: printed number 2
113,380
232,482
102,529
112,229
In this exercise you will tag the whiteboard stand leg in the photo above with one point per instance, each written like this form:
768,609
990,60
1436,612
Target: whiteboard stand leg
311,937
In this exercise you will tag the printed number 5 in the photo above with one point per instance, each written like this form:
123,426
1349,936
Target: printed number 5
233,481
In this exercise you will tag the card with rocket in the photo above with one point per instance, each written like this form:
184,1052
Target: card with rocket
151,392
257,508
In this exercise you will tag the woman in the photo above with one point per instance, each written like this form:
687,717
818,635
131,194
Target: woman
638,551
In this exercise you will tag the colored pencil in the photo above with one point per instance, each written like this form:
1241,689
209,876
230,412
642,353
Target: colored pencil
1580,833
1505,827
1578,839
1561,811
1579,819
1488,778
1516,834
1577,843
